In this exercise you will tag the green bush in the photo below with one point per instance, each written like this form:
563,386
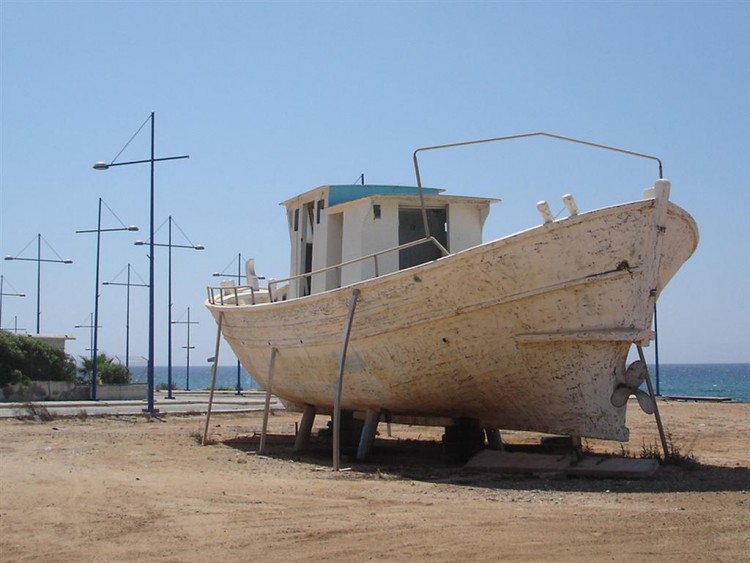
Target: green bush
24,359
107,371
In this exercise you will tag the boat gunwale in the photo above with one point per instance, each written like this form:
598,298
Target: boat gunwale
518,236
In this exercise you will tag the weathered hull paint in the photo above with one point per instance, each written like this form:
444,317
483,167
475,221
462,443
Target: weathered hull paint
527,332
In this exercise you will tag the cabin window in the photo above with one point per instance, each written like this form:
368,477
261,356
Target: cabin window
307,228
411,228
310,208
296,220
321,206
376,213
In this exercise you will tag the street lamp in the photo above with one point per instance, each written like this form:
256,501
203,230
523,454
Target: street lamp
188,347
127,313
93,327
104,166
169,297
39,261
95,341
15,328
2,293
238,275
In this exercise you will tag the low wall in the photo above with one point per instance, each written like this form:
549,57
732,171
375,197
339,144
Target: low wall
130,391
44,391
67,391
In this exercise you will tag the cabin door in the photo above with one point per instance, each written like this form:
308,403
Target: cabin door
411,228
307,228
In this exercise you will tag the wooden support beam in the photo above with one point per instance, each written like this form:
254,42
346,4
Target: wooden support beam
369,430
494,441
305,428
267,407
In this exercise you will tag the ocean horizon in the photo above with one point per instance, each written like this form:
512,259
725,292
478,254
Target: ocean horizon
704,380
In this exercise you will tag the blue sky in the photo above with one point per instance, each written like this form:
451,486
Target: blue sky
272,99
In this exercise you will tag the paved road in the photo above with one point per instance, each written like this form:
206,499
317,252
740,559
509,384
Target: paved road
183,402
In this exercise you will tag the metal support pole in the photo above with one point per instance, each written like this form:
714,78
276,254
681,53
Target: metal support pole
656,407
128,285
169,312
2,294
213,378
239,282
267,406
151,287
38,279
187,348
95,343
656,350
340,382
127,323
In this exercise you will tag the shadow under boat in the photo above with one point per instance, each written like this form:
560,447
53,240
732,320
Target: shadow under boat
424,460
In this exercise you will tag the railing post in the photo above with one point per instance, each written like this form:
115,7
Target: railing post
340,382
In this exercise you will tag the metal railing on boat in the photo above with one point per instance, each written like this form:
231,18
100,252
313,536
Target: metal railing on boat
230,295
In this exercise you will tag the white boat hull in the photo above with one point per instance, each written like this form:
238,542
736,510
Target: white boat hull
528,332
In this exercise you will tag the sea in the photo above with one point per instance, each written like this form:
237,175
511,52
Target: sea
703,380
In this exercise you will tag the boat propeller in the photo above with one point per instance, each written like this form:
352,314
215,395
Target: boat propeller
634,376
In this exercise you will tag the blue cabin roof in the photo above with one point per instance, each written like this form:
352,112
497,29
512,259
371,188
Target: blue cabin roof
343,193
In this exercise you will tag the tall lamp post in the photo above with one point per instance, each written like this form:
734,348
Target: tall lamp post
104,166
3,294
188,322
169,298
39,261
238,275
92,326
127,313
15,328
94,344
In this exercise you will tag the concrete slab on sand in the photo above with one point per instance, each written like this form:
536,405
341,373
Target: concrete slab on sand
568,464
614,467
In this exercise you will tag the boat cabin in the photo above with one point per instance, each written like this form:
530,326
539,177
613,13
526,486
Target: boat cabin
352,226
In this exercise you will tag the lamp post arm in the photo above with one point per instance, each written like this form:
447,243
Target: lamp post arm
105,165
193,247
66,261
110,230
125,284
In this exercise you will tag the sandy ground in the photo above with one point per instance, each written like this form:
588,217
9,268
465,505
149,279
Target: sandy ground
132,489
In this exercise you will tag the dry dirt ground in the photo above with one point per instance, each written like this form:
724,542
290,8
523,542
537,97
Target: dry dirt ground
133,489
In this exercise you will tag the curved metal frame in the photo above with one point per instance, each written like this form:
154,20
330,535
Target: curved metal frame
511,138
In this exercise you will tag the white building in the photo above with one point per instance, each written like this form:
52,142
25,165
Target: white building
333,225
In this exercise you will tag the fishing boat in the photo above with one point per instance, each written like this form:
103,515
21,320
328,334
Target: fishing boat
396,309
